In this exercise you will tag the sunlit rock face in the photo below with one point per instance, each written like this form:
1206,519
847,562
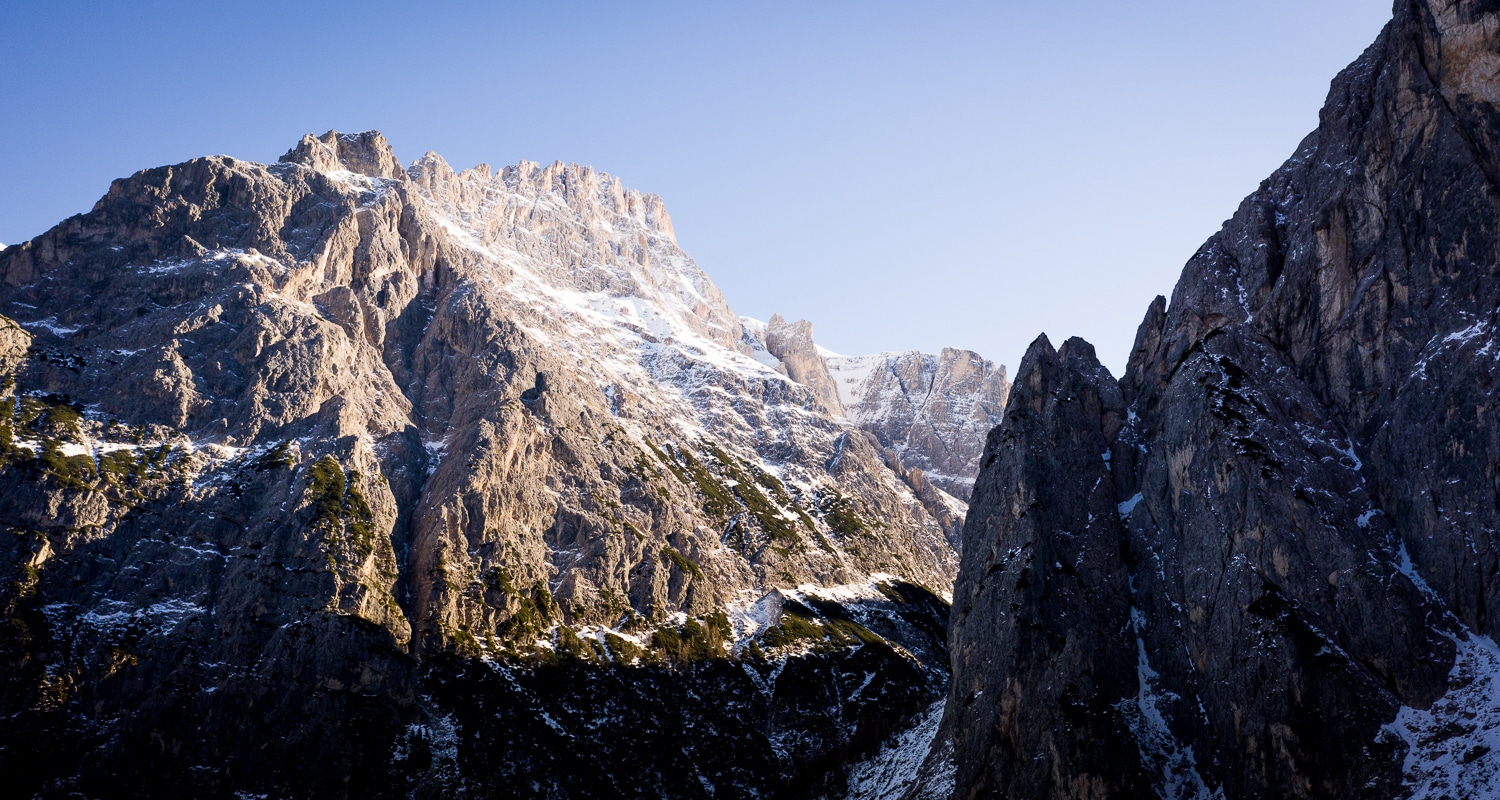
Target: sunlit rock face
928,413
1262,563
299,456
933,411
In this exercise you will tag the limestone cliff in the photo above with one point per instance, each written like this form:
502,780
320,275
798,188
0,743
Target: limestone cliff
290,445
1267,552
933,411
792,344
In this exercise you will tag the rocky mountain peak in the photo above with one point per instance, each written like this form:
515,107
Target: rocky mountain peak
591,193
793,344
1278,524
931,411
371,427
366,153
581,229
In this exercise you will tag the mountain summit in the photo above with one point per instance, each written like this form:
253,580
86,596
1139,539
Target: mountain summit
305,460
1263,563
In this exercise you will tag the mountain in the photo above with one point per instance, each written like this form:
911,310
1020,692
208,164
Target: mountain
933,411
1263,562
928,413
334,477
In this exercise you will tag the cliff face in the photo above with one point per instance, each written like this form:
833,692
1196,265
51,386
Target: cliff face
1293,483
792,344
288,446
932,411
1056,592
926,414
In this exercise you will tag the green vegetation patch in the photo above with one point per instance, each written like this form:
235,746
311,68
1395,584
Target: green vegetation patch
633,531
74,472
841,515
121,467
622,650
7,430
463,640
670,463
793,628
52,415
779,491
533,616
693,641
718,501
62,419
51,424
571,645
499,579
615,606
771,521
801,624
907,592
684,564
278,457
339,508
747,487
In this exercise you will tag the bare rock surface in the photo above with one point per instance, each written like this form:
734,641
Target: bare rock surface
792,343
14,342
1267,564
1053,615
933,411
290,442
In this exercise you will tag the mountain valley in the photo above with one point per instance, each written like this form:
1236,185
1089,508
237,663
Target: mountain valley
338,478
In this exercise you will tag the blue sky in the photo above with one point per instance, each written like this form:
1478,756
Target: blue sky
904,175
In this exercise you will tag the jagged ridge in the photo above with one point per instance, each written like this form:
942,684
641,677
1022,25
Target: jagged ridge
295,441
1267,546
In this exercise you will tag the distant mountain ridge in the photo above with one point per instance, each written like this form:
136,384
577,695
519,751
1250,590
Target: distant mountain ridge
930,411
933,411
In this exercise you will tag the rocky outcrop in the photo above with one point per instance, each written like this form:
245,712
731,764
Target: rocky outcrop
792,344
1303,524
14,342
1051,617
293,437
933,411
365,153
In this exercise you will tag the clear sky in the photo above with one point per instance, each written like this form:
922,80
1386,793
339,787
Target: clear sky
904,175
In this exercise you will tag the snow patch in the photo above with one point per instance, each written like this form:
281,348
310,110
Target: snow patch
1177,769
163,617
436,450
1348,452
1442,342
441,737
851,376
892,772
1454,746
50,325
